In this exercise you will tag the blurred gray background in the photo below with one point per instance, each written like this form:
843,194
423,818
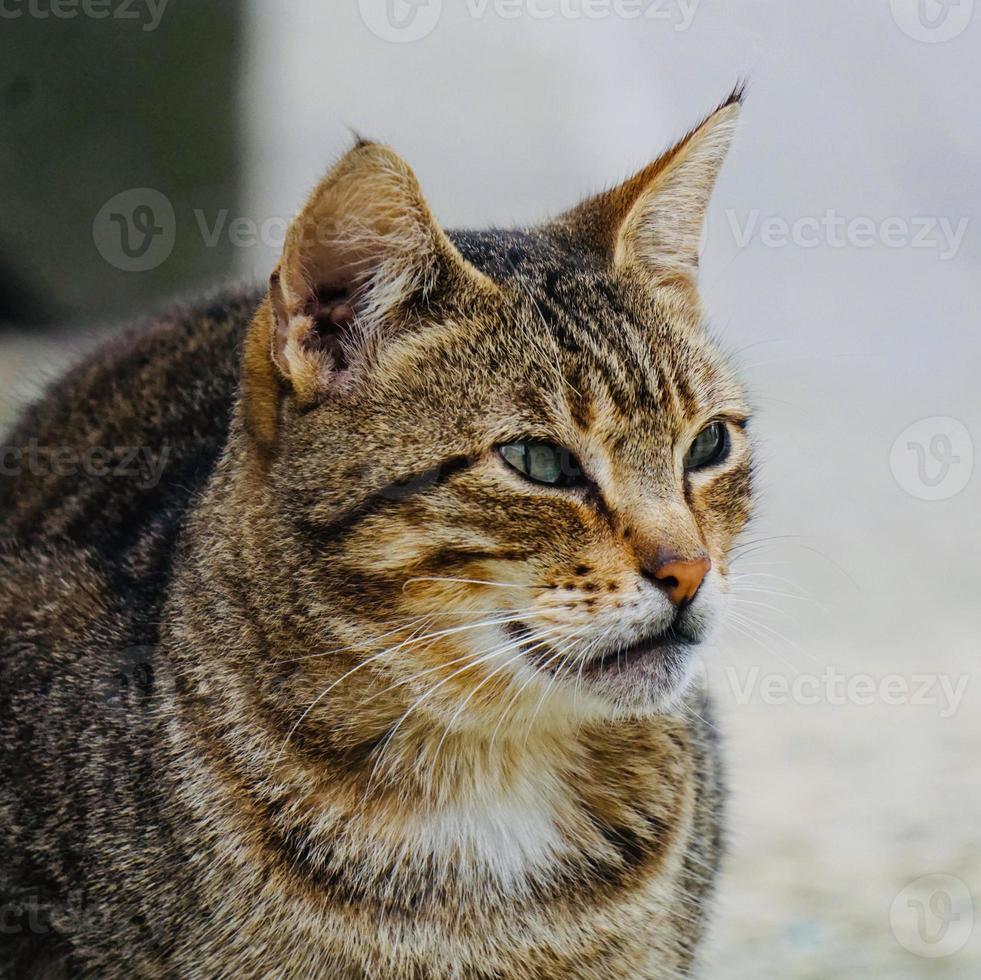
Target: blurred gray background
840,268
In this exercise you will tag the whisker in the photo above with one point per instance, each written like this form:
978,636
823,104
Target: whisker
469,581
539,670
428,670
375,657
324,694
483,658
420,639
351,647
743,629
556,676
522,652
747,621
756,604
687,709
739,587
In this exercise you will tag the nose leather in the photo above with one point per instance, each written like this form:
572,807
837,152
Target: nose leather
680,578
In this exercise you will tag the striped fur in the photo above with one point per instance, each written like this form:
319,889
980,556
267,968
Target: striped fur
326,701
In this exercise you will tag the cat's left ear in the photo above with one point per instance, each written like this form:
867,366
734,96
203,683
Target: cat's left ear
652,223
363,263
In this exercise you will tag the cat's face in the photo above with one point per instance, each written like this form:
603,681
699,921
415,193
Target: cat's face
517,476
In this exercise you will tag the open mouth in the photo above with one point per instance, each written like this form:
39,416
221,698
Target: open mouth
668,644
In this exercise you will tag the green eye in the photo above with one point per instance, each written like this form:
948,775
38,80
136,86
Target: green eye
711,446
543,462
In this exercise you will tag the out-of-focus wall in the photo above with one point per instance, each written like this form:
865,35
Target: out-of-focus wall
117,121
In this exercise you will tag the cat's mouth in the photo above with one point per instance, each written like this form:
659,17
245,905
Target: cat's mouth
672,643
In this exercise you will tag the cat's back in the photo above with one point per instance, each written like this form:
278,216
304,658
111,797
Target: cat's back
125,438
98,477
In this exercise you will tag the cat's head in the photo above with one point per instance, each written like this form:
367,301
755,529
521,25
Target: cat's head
511,463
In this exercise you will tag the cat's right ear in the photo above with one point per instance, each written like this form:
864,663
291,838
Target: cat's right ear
651,224
363,254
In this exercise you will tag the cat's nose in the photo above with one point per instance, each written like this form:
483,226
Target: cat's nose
680,578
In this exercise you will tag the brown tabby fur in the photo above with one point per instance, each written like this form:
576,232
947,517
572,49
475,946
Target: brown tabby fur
249,727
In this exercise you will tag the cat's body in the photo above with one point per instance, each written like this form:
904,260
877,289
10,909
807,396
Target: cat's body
85,568
202,775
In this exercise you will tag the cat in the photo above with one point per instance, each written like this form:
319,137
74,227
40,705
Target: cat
388,668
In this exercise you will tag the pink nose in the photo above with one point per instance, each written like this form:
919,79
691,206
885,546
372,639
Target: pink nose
680,579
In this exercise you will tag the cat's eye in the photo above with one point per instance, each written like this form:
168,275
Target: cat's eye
544,462
711,446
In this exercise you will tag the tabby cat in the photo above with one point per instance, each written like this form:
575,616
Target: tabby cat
385,670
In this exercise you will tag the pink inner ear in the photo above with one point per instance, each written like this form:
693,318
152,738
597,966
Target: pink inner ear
333,315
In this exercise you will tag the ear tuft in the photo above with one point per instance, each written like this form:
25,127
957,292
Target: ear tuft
310,344
652,223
